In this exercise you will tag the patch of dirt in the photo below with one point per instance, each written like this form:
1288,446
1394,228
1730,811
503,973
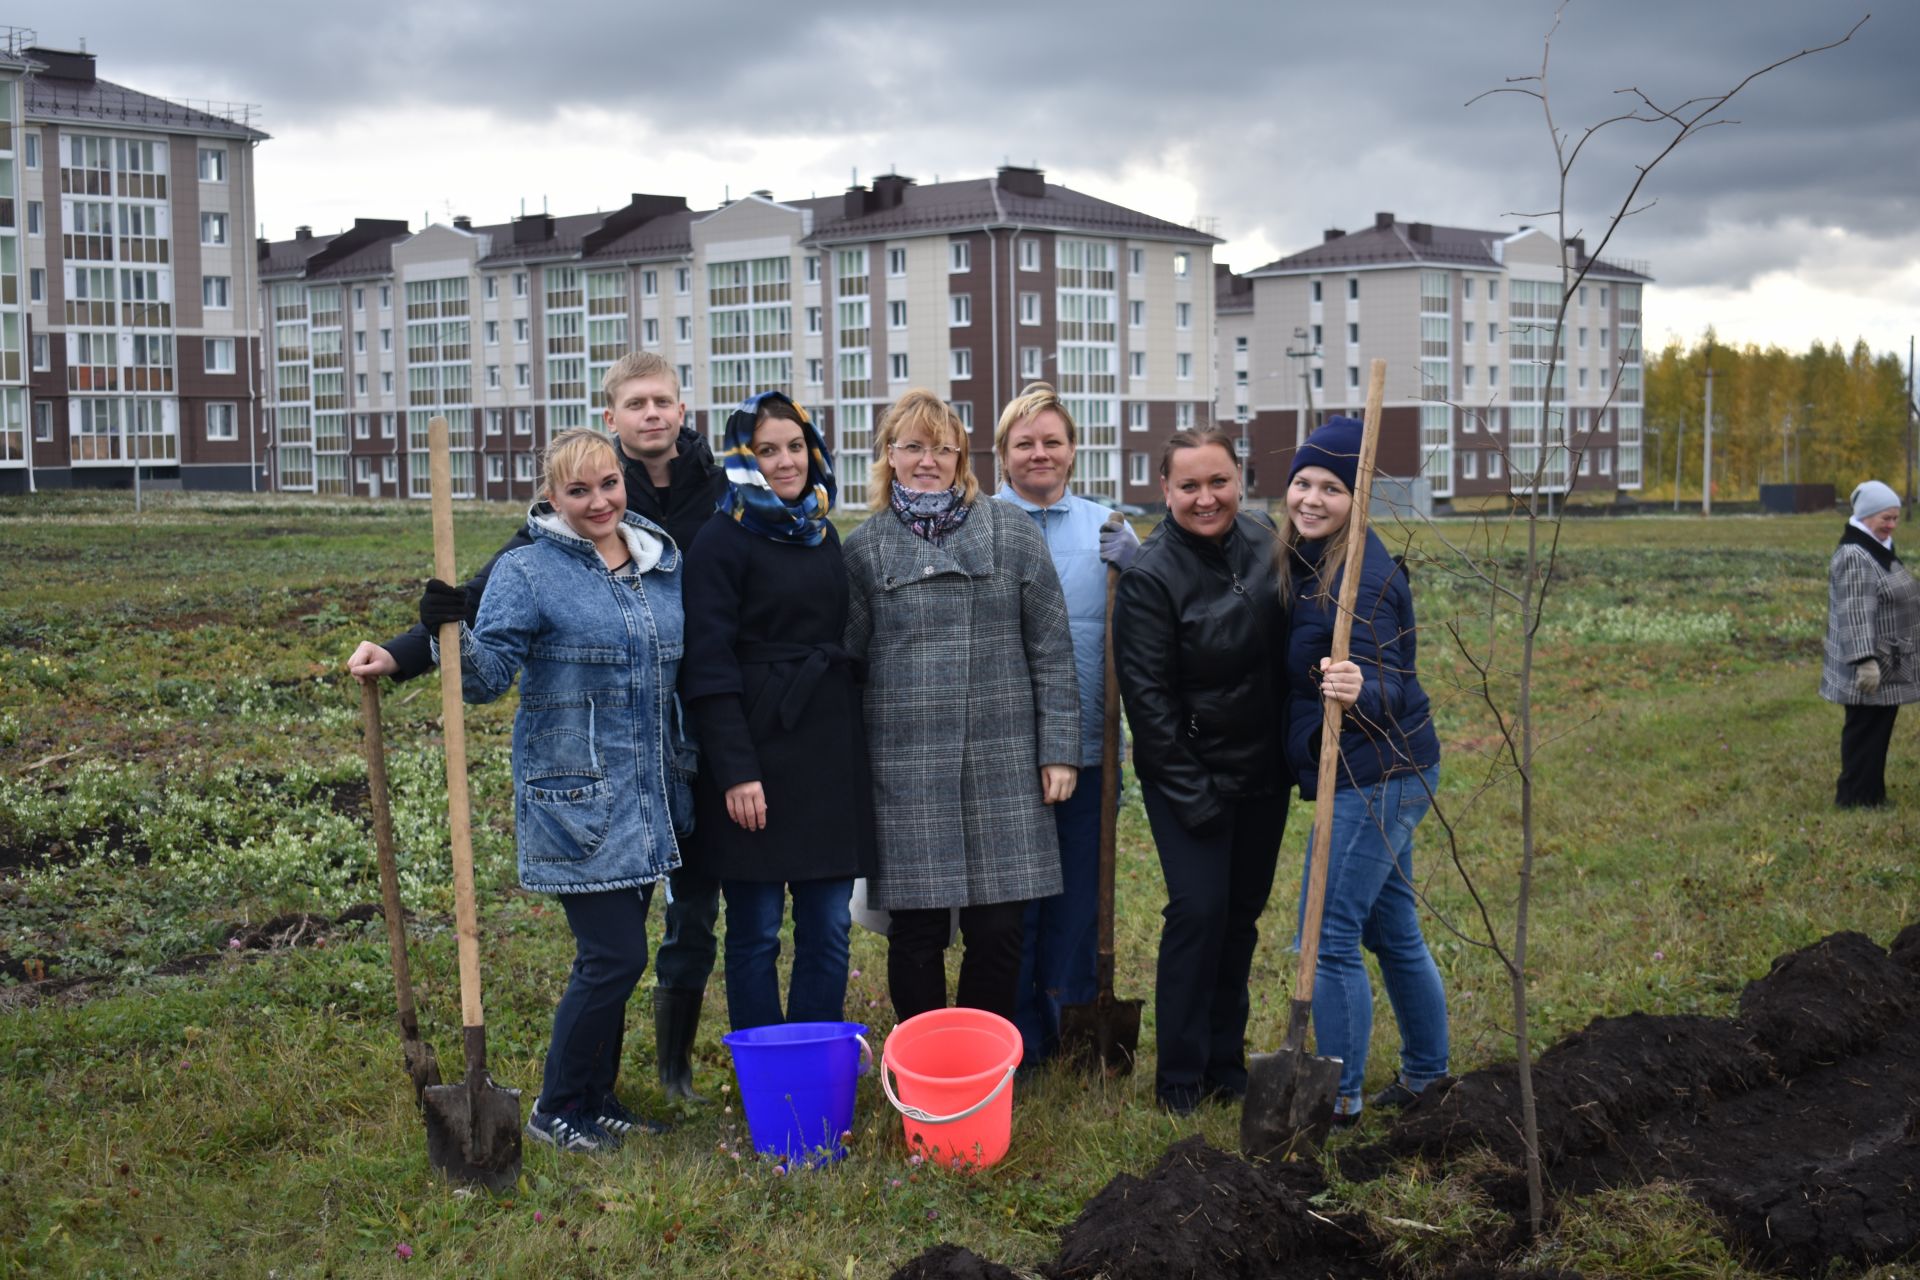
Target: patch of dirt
49,851
298,929
349,799
951,1262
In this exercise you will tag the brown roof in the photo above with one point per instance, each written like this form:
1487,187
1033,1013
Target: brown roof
969,205
104,102
1390,242
568,230
289,257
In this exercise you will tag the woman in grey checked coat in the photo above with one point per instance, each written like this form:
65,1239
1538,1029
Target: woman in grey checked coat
972,712
1873,625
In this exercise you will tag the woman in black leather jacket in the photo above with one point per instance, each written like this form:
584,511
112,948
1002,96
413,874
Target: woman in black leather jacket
1200,636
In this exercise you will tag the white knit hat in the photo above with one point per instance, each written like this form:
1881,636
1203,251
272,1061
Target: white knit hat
1871,498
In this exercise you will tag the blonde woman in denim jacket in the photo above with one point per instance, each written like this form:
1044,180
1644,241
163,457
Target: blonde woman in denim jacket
588,616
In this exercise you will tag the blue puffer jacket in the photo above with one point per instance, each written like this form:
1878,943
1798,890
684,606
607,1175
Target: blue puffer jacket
602,766
1390,730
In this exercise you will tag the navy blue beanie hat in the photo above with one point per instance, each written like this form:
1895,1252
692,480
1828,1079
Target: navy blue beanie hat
1335,445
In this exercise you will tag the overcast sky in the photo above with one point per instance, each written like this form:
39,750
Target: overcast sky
1265,121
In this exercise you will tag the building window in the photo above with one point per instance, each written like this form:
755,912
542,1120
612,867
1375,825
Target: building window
1136,262
813,268
649,284
386,382
1466,287
816,371
522,375
496,468
491,331
1183,415
1183,315
1183,366
386,339
1030,362
1583,379
896,262
35,212
213,228
650,332
360,299
1314,288
493,375
1466,330
219,355
33,150
42,353
42,415
683,328
897,366
684,375
1353,334
360,384
1182,264
522,330
1353,288
959,256
490,287
1319,379
1606,461
1469,465
519,284
813,319
959,311
1603,295
1029,308
1136,469
683,280
1136,313
1493,295
1316,336
362,425
1604,334
1029,254
1493,332
523,422
961,364
386,297
1466,375
1137,364
896,314
1582,340
386,429
213,164
36,284
1137,416
216,292
223,420
1493,375
523,466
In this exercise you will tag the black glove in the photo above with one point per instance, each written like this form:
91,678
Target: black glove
441,604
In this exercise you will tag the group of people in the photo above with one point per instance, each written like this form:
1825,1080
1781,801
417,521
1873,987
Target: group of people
718,696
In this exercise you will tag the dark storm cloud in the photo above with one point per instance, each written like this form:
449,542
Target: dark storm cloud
1288,118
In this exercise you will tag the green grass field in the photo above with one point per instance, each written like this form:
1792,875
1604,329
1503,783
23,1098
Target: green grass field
179,754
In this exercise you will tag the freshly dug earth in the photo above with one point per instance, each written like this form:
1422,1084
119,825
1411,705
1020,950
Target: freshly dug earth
1798,1122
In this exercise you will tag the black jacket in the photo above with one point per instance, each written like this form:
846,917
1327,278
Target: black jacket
1199,635
695,484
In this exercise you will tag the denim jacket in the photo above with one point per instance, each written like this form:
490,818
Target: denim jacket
602,765
1071,528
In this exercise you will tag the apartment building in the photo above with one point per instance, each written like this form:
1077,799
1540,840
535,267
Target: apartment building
139,306
969,289
1464,319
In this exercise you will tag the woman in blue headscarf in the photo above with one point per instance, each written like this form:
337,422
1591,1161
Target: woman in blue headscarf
783,798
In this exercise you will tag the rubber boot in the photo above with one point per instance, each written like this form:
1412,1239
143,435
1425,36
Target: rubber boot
676,1018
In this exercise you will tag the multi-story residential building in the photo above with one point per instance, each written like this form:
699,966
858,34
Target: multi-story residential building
15,281
1464,319
141,325
970,289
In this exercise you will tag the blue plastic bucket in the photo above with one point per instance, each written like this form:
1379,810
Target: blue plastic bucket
797,1083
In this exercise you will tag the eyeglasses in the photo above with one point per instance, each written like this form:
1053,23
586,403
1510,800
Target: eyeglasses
913,450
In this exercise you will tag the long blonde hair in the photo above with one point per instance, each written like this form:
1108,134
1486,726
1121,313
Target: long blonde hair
1333,554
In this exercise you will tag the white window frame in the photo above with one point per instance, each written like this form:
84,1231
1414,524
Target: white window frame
1353,288
214,228
1136,262
36,218
213,345
1183,316
896,313
43,421
1182,264
649,284
219,157
489,287
960,364
959,257
959,310
231,431
1138,415
683,328
1137,469
42,354
522,375
814,318
1183,366
523,422
896,261
1029,308
1032,360
1469,465
683,280
897,366
36,285
1183,415
490,332
1029,254
1136,313
1136,363
223,292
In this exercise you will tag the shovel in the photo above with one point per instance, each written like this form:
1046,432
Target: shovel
473,1128
1106,1032
416,1054
1289,1105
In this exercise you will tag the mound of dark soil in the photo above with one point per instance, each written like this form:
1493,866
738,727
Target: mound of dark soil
1202,1213
951,1262
1834,998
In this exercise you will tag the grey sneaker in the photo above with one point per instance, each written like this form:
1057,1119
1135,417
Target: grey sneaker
616,1119
570,1130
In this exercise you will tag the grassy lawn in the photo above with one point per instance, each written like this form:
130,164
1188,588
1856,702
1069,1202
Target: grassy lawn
179,763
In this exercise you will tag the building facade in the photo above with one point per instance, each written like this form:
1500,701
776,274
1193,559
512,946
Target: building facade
140,304
969,289
1464,319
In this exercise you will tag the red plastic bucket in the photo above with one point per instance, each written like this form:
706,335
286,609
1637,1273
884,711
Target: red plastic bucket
955,1068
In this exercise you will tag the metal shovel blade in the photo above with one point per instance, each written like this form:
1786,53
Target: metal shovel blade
1105,1032
473,1132
1289,1104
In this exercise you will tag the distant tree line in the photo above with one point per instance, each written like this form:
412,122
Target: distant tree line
1828,416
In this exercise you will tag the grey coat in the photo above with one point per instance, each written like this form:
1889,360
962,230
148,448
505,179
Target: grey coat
1873,611
970,689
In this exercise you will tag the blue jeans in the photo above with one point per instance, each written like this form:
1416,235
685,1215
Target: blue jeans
818,992
687,945
1371,903
1061,939
610,954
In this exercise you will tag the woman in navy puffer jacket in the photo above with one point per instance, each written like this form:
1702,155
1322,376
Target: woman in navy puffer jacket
1389,767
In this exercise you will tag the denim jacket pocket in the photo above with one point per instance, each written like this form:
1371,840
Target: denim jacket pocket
565,824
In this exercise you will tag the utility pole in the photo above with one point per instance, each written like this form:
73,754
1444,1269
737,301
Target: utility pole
1706,444
1304,353
1913,413
1679,440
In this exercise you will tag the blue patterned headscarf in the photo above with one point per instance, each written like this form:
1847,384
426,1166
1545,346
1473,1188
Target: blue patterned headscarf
752,501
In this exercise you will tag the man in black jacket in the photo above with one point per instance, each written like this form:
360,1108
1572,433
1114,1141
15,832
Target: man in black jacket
673,481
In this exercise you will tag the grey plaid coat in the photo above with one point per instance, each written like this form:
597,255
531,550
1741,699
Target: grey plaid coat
970,689
1873,611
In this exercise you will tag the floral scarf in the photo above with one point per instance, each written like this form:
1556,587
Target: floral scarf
750,500
933,516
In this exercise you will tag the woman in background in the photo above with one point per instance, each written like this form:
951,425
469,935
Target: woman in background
1873,626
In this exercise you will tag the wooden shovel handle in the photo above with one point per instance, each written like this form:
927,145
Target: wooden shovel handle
376,749
1109,794
454,726
1332,711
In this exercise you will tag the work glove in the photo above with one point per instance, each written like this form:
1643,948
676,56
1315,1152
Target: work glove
441,604
1119,544
1866,678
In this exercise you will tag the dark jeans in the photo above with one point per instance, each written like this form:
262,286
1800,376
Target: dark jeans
989,965
610,954
1217,879
687,946
1062,933
818,991
1864,738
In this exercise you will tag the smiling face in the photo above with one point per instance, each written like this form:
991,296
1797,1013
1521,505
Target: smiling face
1318,503
1882,523
1202,489
780,449
646,416
922,463
1038,457
593,499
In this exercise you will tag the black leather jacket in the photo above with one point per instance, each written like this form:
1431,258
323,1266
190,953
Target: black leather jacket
1200,635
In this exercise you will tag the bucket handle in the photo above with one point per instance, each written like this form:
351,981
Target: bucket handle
866,1054
915,1113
